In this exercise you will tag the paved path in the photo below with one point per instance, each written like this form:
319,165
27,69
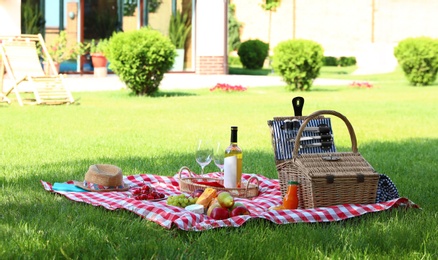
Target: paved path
173,81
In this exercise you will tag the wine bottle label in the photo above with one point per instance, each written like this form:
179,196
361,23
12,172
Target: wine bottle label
230,172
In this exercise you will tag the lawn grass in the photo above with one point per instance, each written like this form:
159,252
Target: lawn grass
397,132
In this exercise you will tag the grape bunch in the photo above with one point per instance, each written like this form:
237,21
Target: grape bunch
147,192
181,200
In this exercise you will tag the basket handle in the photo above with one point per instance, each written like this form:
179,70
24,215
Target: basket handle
185,168
318,113
249,182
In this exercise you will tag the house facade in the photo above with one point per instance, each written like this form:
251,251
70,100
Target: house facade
84,20
366,29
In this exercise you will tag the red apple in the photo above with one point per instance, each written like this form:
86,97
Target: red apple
239,210
211,207
219,213
197,193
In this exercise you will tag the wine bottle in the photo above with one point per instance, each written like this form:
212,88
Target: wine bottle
233,162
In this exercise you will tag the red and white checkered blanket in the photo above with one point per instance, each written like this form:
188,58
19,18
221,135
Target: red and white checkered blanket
167,216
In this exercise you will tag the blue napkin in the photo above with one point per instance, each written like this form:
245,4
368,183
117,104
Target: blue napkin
66,187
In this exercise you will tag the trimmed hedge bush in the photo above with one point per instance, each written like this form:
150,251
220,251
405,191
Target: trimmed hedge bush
347,61
418,58
140,58
298,62
252,53
341,61
330,61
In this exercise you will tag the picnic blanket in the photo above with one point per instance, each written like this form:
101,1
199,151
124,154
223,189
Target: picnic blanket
169,216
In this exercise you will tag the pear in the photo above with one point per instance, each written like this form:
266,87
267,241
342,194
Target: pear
225,199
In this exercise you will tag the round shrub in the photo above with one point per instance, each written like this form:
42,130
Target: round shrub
140,58
298,62
330,61
347,61
418,58
252,53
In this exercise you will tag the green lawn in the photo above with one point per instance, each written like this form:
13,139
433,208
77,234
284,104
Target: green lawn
397,132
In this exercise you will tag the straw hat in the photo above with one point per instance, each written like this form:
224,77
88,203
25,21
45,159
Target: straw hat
103,177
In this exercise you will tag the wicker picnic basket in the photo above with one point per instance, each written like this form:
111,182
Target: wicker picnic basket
189,184
281,145
327,179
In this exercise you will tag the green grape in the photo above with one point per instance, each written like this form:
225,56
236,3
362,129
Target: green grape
180,200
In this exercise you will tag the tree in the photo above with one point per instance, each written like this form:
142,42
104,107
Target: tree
234,27
270,6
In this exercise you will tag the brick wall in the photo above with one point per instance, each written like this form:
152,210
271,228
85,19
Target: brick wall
210,65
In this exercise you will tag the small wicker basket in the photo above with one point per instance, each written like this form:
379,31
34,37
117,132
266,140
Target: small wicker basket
249,188
329,179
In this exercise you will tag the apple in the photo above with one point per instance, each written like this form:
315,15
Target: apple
239,210
225,199
197,193
212,206
237,204
219,213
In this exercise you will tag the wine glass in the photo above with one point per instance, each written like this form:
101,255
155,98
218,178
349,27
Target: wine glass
204,154
218,157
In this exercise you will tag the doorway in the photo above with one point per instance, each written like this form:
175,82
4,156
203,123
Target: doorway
100,19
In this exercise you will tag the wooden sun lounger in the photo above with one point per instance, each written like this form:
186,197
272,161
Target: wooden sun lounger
23,66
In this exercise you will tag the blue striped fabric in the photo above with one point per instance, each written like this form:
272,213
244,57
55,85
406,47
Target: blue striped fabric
284,147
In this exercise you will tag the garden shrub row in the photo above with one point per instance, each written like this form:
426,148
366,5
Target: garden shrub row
141,58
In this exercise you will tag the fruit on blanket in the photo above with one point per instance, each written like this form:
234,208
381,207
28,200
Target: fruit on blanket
212,202
219,213
197,193
206,197
225,199
147,192
239,210
237,204
180,200
213,206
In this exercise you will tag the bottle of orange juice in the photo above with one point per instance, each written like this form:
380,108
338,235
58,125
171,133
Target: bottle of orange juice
290,200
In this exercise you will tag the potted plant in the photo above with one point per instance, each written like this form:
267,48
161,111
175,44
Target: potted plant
61,50
179,30
98,59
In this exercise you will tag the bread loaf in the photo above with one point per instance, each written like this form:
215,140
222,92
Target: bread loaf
206,197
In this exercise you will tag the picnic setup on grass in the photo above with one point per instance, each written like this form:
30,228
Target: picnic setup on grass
315,183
